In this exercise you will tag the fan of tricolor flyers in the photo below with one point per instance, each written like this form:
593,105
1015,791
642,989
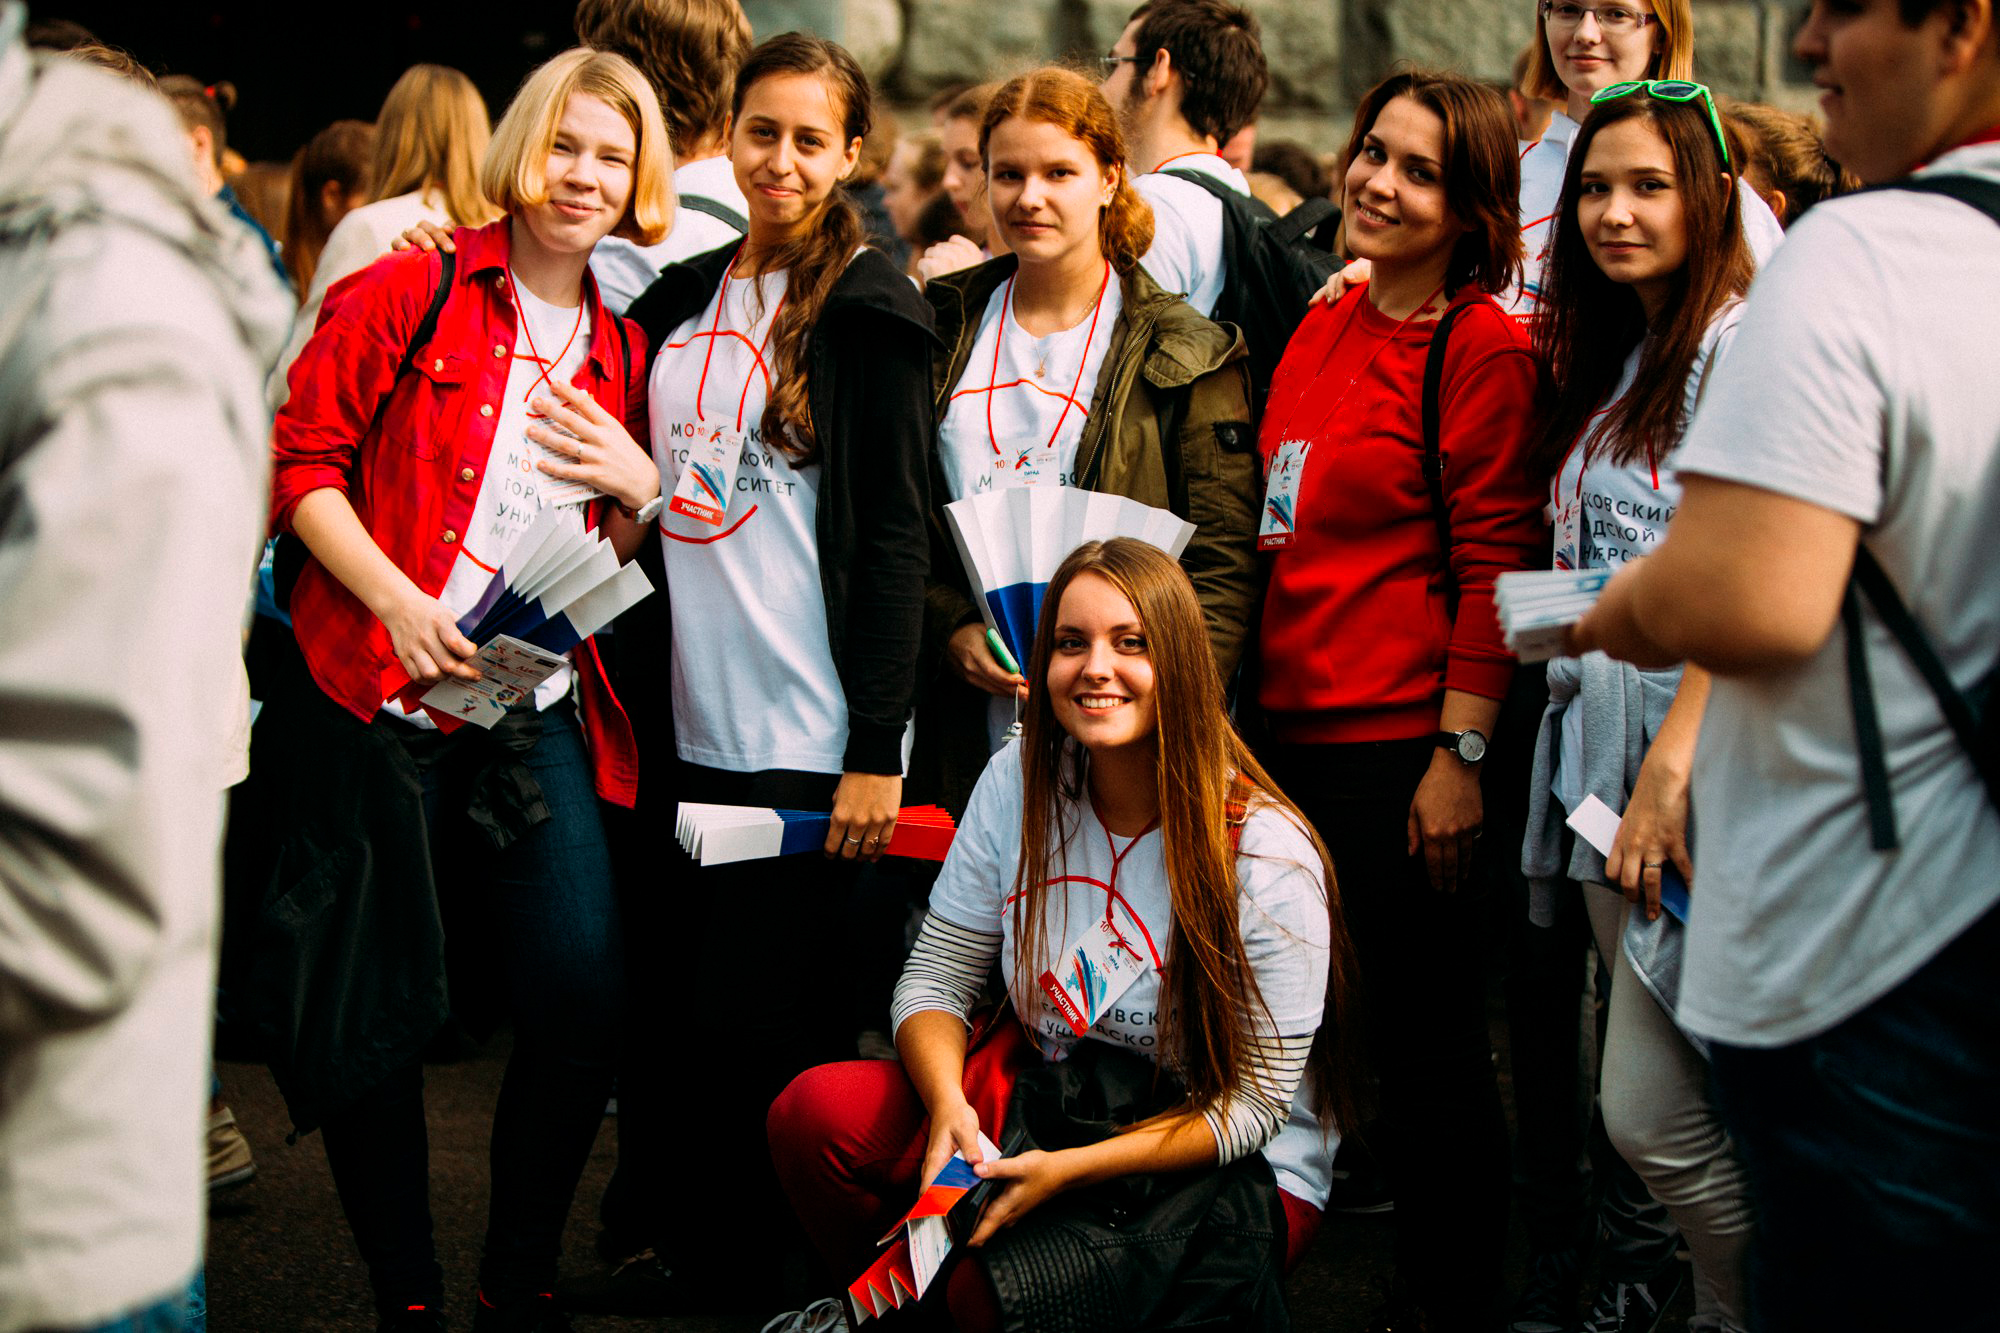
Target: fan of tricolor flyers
918,1244
718,834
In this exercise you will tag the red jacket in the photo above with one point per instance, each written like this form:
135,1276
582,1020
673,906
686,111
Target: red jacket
414,481
1356,643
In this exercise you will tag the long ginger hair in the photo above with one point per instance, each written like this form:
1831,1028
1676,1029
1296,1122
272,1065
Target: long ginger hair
1209,996
430,135
1063,98
819,251
1589,324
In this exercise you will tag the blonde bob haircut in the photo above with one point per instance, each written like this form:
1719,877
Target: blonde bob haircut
514,173
1674,59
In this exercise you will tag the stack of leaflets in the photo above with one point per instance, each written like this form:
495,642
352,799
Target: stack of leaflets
1536,606
918,1244
561,585
718,834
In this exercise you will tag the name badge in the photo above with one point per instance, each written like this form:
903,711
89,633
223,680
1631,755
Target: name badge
1100,966
1278,526
709,479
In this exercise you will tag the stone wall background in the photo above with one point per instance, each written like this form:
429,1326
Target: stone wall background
1324,54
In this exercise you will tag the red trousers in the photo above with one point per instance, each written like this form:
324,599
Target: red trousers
848,1141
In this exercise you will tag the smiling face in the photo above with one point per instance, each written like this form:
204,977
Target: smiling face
789,149
1394,197
1631,210
1878,80
1046,189
1588,59
1100,678
589,178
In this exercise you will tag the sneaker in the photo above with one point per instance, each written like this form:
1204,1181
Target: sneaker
1635,1307
520,1314
1547,1303
412,1319
229,1161
636,1285
822,1316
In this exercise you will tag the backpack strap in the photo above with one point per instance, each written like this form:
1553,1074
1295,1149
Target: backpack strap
1433,461
288,558
722,213
1870,580
1305,224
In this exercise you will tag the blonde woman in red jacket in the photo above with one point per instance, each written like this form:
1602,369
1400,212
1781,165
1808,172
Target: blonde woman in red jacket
1382,669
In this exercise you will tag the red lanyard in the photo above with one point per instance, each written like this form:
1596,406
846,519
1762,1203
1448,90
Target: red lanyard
1111,881
993,379
714,331
529,334
1196,152
1360,297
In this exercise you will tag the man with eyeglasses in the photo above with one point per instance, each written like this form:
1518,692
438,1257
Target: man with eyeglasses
1184,77
1846,910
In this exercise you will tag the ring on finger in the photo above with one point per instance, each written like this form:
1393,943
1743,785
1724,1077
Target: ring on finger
855,841
1652,865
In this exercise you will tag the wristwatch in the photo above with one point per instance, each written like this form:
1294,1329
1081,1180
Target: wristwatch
1468,745
646,512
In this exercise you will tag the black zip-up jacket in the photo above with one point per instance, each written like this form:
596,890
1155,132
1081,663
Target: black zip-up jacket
868,387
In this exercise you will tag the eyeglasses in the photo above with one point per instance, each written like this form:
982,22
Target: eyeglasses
1671,90
1617,20
1110,64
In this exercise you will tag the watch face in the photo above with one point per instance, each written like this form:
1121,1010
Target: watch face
1471,746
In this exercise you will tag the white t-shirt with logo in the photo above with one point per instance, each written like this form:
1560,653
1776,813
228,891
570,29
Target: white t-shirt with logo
1283,921
1186,256
1858,383
550,343
1038,393
754,685
1608,513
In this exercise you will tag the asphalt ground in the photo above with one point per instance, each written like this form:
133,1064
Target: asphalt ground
281,1259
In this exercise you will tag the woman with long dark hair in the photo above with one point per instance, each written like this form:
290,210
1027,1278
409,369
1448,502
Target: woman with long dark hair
1380,665
790,402
1129,808
1644,285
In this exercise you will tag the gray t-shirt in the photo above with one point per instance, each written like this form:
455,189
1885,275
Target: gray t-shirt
1860,383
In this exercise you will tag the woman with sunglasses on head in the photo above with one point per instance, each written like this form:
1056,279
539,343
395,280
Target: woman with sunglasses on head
1381,668
1068,366
1130,819
1645,284
410,490
790,404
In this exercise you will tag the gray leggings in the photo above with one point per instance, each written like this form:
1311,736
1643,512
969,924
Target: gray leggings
1659,1112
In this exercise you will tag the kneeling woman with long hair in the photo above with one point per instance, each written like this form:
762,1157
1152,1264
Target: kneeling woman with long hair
1129,812
409,472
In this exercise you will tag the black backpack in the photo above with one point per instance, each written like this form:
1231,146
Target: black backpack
1273,265
1977,730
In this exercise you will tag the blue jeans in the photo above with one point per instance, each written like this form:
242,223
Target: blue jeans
1873,1151
549,919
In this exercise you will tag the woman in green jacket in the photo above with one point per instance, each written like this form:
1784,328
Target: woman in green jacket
1069,366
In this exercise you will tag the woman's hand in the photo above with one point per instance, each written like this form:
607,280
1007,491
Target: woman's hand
954,1129
864,815
426,638
1029,1180
969,656
426,236
1653,832
603,452
949,257
1336,287
1445,819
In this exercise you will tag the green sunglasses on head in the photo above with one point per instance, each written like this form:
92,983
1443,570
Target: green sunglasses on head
1671,90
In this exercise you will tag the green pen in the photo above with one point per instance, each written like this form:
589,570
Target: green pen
1000,653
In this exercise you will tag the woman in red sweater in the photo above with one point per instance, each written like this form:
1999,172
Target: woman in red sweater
1382,665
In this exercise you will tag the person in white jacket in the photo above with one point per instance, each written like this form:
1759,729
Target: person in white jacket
135,321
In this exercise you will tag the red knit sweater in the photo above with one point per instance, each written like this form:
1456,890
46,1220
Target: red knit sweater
1355,639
